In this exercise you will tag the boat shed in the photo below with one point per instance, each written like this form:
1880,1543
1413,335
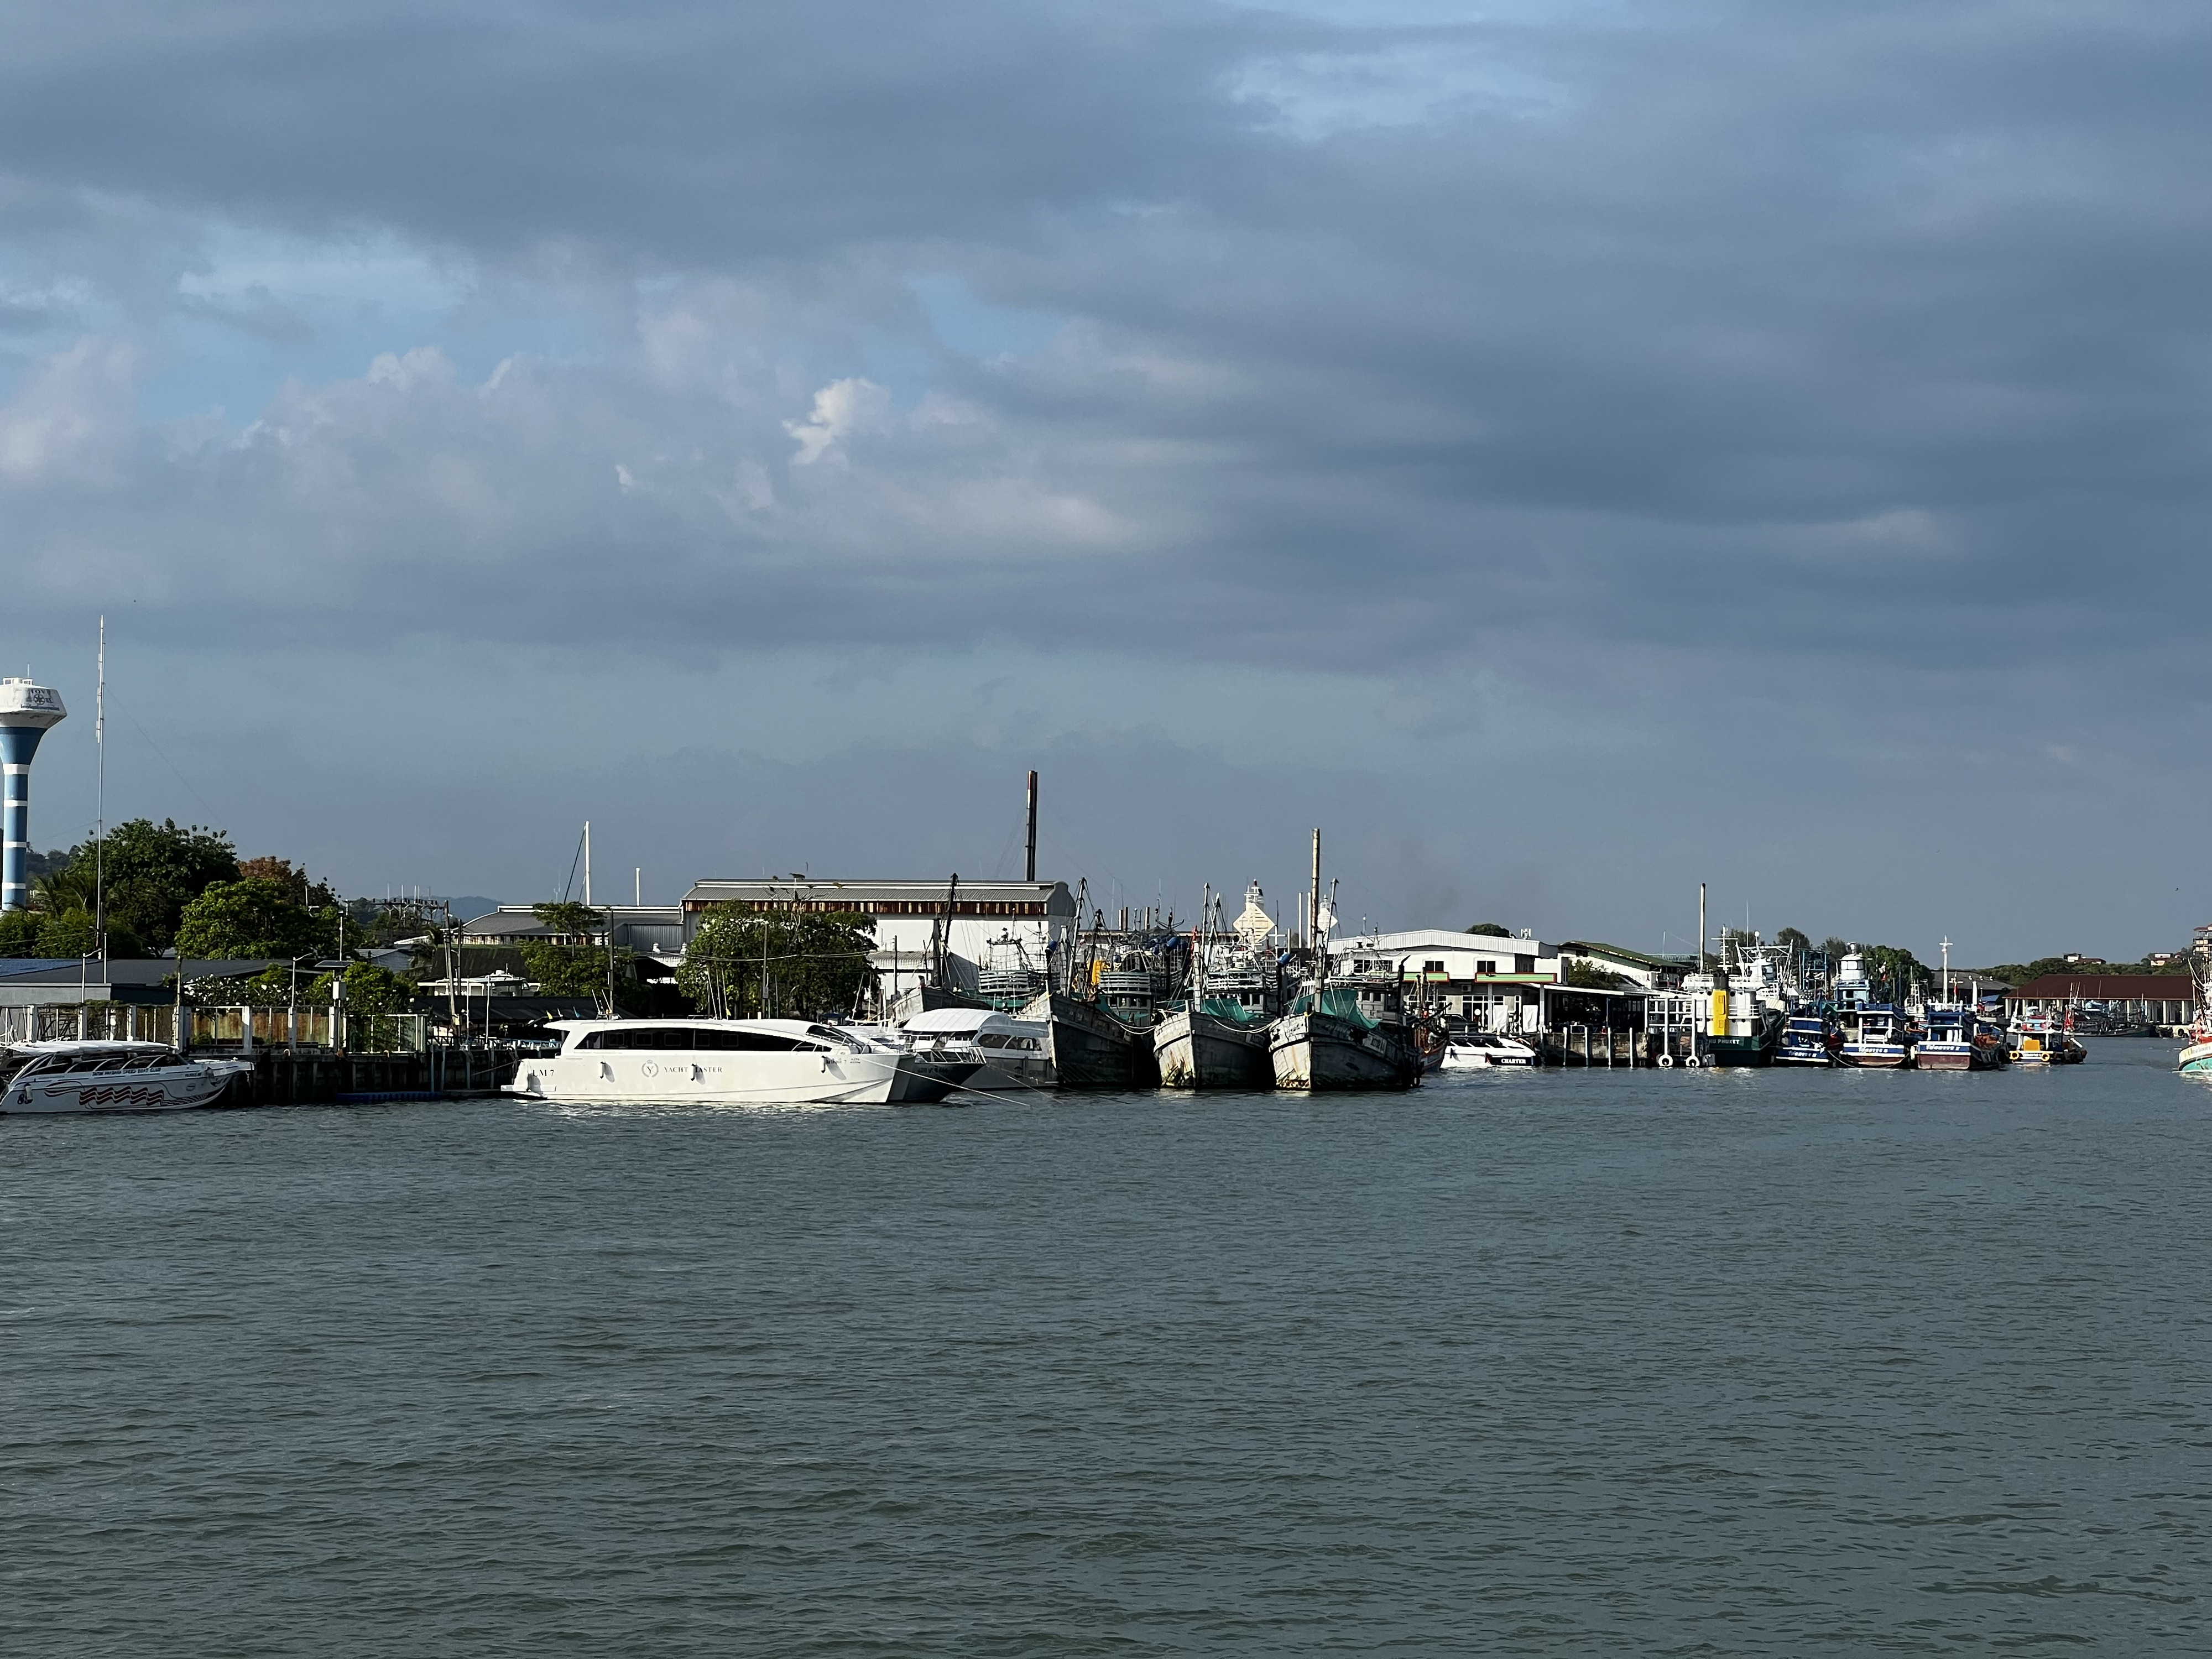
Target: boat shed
2162,1000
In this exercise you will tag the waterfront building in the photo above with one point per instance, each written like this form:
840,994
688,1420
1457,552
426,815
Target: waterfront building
1482,978
657,931
2164,1001
1639,967
999,928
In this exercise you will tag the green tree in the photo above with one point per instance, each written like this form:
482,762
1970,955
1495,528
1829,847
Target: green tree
1580,972
256,917
1795,943
154,870
569,964
72,933
812,965
18,932
1493,929
373,996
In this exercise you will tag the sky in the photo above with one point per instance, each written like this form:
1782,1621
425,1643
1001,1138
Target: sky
1566,452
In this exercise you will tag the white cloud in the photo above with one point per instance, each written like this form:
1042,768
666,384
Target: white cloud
74,418
840,408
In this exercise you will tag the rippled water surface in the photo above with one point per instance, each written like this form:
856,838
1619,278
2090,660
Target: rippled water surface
1568,1363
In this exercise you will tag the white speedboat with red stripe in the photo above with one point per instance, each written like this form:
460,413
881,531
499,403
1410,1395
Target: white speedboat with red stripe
68,1076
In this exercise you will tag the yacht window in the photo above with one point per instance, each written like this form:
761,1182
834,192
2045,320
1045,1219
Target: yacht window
750,1041
833,1036
647,1036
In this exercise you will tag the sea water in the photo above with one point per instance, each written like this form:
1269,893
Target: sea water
1568,1363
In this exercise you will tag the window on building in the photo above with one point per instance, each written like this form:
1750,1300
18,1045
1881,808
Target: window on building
1437,967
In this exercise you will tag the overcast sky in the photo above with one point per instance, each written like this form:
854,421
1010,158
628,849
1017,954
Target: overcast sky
1568,452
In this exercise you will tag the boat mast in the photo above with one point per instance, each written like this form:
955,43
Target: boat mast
1701,927
1314,940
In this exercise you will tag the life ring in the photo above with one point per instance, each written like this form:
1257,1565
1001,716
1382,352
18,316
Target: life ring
1666,1059
1693,1062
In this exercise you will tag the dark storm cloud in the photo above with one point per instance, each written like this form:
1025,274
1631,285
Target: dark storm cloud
1759,309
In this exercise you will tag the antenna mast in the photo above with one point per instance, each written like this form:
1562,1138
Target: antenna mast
99,795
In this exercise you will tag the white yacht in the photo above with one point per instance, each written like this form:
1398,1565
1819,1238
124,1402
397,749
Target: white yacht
110,1077
1010,1053
722,1062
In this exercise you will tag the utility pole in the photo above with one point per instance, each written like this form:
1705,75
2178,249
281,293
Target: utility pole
1029,858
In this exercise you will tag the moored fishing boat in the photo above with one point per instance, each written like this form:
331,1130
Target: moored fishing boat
1875,1036
1217,1036
70,1076
1336,1047
1808,1039
1088,1046
1211,1047
1953,1038
2040,1040
2197,1057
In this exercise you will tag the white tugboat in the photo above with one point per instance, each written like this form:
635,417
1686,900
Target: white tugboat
110,1077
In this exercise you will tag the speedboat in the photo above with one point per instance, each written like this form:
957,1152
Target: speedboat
1479,1051
722,1062
112,1077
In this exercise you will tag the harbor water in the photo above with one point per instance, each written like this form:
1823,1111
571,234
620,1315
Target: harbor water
1580,1363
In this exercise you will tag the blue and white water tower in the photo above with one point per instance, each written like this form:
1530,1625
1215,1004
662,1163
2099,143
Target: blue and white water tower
27,712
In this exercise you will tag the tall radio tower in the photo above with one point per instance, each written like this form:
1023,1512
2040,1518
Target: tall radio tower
28,713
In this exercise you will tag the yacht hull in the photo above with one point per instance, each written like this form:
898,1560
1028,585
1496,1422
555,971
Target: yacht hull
1203,1051
753,1079
1318,1053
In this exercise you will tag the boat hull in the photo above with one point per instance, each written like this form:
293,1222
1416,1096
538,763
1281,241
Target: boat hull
1199,1050
610,1076
189,1087
1322,1053
1089,1048
2195,1059
1927,1059
1873,1058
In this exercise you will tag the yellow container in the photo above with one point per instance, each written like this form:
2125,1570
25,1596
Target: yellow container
1720,1011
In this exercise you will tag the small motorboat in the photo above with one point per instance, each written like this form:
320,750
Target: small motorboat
1480,1051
